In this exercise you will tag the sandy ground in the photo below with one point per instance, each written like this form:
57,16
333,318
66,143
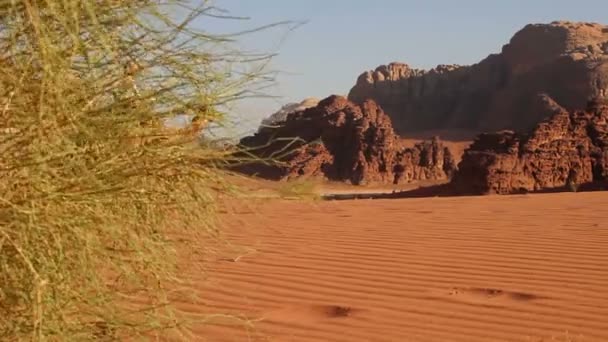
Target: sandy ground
498,268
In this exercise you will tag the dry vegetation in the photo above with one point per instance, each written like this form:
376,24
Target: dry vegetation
90,180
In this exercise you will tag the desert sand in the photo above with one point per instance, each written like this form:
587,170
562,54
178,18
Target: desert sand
494,268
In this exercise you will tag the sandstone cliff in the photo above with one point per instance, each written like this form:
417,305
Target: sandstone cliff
342,141
568,150
568,61
280,116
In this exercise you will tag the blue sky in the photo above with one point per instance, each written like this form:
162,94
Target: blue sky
343,38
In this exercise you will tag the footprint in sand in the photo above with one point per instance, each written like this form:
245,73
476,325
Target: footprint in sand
489,296
309,313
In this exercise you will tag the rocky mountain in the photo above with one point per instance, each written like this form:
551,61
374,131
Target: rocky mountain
343,141
566,151
281,115
568,61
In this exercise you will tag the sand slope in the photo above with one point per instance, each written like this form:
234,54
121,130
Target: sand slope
499,268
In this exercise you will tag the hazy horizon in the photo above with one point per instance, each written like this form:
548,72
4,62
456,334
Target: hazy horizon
340,39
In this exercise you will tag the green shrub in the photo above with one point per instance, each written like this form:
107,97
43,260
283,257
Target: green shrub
94,190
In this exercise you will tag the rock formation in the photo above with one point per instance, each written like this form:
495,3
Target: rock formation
568,150
568,61
342,141
281,115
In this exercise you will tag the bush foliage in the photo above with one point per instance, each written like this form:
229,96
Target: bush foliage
92,185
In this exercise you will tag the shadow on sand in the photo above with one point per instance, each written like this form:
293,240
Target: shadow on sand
447,190
443,190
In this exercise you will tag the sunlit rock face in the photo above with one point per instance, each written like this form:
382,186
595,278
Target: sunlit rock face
566,151
568,61
281,115
343,141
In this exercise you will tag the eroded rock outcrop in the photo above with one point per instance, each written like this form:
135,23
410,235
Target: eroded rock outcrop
280,116
566,60
343,141
568,150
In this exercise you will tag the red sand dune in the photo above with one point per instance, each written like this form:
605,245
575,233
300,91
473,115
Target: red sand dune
497,268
